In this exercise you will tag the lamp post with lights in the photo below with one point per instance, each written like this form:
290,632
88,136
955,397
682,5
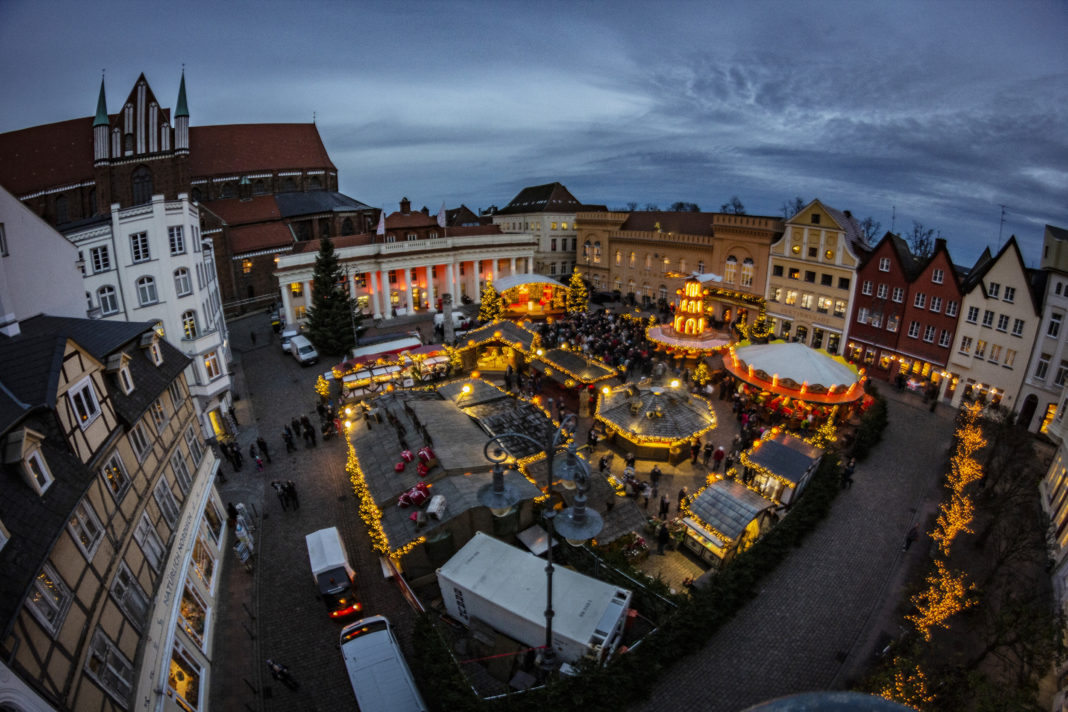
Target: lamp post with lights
575,523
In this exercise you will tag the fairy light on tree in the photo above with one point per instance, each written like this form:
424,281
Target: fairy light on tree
947,594
909,686
578,297
492,306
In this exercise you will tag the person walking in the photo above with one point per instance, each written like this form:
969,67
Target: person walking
695,451
262,444
912,536
654,476
259,463
665,506
291,493
683,493
279,489
281,673
662,538
847,473
287,436
706,453
717,457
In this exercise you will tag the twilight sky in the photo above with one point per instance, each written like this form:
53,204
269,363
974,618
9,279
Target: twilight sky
938,110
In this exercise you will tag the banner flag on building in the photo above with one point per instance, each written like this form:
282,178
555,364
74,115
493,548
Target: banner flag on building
441,215
381,223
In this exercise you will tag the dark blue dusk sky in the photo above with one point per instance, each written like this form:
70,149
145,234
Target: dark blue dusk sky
942,110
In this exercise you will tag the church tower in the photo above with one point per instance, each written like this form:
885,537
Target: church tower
100,129
181,121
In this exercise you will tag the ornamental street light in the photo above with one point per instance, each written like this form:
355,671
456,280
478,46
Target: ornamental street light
576,523
586,248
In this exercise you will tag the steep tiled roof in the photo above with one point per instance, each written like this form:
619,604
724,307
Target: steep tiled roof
399,220
240,148
262,236
238,212
47,156
548,198
729,507
317,201
852,230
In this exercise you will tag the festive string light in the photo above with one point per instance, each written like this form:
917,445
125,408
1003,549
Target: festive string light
947,594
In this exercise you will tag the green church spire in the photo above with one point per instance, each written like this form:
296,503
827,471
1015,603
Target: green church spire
101,108
182,109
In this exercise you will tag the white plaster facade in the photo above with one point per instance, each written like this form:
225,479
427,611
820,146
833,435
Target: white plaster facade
160,241
557,252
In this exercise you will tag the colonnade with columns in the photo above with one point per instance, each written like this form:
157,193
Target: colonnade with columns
417,286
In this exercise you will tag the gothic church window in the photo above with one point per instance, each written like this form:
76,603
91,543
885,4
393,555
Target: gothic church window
142,185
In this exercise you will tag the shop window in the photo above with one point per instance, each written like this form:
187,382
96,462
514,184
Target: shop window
204,563
212,522
183,680
193,614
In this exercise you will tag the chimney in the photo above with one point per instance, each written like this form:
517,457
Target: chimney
848,213
940,244
425,210
405,206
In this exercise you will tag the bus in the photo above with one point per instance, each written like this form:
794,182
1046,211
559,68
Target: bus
377,670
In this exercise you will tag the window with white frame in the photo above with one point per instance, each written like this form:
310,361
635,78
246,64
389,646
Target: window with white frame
1010,294
929,334
204,562
973,315
181,471
139,440
980,349
211,365
944,338
212,522
184,667
1017,327
165,500
806,300
920,301
747,272
109,300
139,247
1003,322
936,304
109,667
115,476
937,276
49,599
966,344
865,288
146,291
193,614
155,353
988,318
876,319
83,399
189,324
951,308
1042,367
882,290
177,239
1062,373
884,264
36,471
85,528
863,315
993,289
101,258
914,330
183,285
892,322
898,295
130,596
995,353
196,449
730,269
1053,330
152,546
175,389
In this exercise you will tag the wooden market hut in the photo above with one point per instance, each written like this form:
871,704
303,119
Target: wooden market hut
725,518
780,465
655,423
496,345
531,296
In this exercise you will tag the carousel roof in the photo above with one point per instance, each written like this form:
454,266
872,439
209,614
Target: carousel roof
508,331
659,413
728,507
518,280
797,362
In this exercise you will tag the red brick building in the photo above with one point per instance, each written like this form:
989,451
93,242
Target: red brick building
905,313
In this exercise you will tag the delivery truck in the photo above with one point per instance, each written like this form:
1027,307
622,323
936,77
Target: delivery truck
504,587
333,575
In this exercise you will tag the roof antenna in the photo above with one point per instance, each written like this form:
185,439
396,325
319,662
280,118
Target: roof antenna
1002,225
313,117
893,217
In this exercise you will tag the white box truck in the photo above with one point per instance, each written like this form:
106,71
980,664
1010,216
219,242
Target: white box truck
504,587
334,577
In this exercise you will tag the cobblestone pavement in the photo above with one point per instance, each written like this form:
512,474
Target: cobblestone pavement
815,616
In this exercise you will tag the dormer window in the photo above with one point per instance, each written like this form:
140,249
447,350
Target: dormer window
815,218
150,341
84,401
119,364
23,448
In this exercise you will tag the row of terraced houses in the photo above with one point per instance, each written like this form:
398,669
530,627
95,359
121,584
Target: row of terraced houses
116,376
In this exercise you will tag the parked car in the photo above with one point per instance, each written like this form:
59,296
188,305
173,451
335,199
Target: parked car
287,335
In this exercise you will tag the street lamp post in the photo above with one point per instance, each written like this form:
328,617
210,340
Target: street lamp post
586,247
575,523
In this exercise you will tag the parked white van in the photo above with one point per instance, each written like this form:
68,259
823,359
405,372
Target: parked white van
379,675
302,350
334,576
287,335
458,320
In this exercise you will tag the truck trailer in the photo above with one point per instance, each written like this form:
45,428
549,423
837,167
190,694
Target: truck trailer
504,587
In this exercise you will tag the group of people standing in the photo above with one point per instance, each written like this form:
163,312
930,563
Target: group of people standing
257,452
287,494
299,427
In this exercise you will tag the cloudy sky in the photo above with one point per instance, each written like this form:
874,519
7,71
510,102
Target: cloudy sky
937,112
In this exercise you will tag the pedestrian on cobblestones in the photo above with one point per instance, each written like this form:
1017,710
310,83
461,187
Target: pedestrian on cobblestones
695,451
706,452
252,451
262,444
717,457
665,506
847,473
279,489
630,459
655,475
662,538
683,493
259,463
291,494
295,425
281,673
287,436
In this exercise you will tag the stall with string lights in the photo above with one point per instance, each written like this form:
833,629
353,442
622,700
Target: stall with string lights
655,423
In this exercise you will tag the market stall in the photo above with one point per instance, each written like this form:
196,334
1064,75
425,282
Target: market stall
724,519
655,423
531,295
779,466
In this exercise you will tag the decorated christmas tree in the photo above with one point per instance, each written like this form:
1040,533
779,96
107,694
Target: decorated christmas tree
702,375
492,305
332,319
578,297
759,331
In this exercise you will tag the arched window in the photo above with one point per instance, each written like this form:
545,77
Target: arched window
346,227
597,252
182,283
632,260
109,302
730,269
142,185
665,266
619,258
289,185
62,210
227,190
127,144
92,201
146,291
747,272
259,187
700,266
189,324
315,184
